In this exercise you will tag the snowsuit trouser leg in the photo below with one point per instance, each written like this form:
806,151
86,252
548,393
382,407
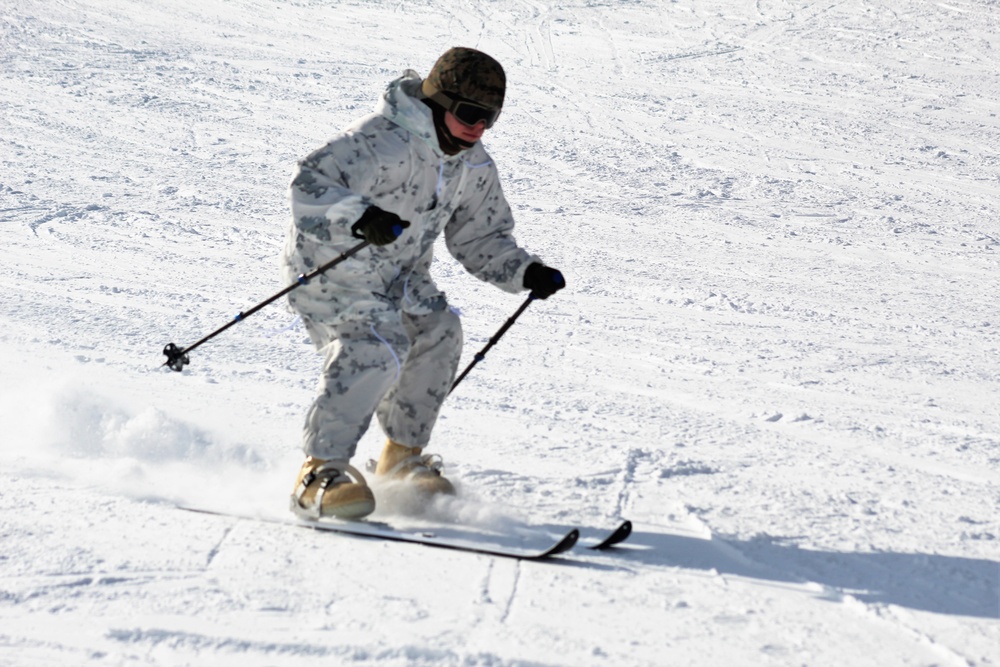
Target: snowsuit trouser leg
361,363
409,411
402,368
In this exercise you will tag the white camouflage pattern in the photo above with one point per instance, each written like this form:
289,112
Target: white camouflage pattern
384,327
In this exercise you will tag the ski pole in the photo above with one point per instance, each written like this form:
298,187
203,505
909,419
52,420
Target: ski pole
177,357
493,341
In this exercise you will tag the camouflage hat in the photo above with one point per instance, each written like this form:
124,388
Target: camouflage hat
470,74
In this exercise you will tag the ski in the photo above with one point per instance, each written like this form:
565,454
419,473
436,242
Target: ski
536,545
598,541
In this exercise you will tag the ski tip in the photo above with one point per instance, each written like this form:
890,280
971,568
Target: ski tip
565,544
618,535
623,531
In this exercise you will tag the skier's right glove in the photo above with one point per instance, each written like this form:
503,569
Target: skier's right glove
378,227
543,281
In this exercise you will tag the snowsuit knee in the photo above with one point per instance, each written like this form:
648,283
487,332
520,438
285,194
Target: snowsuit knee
401,370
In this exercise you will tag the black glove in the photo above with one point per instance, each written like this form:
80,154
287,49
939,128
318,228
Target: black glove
378,227
543,281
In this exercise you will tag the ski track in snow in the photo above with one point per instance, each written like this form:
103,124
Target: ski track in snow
777,353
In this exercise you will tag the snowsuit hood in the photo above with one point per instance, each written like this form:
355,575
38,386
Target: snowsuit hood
402,104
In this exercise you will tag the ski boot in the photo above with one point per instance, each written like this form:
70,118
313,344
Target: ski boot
409,464
331,488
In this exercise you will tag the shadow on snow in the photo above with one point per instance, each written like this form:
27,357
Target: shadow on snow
940,584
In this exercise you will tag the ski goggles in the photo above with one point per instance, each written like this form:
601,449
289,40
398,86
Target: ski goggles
466,111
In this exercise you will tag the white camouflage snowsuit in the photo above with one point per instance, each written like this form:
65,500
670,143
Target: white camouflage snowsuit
391,343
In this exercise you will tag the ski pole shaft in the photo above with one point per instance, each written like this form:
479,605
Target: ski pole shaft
177,357
493,341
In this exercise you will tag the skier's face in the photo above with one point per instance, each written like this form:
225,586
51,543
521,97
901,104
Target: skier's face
459,130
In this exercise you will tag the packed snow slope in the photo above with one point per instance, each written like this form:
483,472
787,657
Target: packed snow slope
777,353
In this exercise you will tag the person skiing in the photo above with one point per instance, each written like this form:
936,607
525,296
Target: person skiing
397,178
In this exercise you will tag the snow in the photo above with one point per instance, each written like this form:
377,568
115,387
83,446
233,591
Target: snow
777,353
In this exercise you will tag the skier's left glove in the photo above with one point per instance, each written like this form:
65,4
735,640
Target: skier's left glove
543,281
378,227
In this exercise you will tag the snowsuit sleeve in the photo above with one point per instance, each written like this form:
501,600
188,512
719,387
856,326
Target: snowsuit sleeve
480,234
325,186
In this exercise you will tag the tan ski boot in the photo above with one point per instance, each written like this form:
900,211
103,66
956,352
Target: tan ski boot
412,465
326,488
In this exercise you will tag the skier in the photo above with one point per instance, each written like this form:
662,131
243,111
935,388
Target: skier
397,178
